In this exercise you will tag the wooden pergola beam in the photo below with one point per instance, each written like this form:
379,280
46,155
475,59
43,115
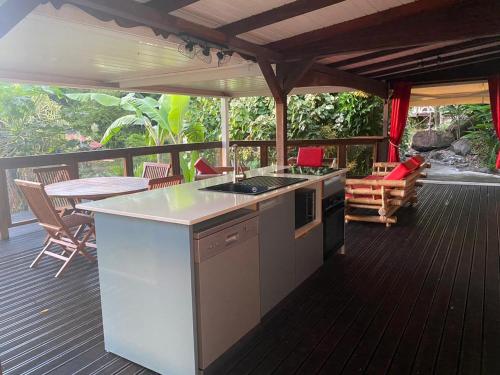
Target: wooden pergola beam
138,13
398,27
366,56
450,65
13,11
280,99
286,11
439,62
470,45
464,73
321,75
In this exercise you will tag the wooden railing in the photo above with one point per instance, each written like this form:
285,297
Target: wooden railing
73,159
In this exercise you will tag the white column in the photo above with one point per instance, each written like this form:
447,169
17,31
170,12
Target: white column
224,116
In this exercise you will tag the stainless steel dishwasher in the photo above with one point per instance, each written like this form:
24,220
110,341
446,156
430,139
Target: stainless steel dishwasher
227,281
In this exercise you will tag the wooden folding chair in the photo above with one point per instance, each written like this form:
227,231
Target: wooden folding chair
155,170
63,231
51,175
163,182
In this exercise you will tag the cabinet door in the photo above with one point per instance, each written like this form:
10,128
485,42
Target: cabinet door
277,263
308,254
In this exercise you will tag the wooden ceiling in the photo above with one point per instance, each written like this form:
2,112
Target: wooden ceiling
367,44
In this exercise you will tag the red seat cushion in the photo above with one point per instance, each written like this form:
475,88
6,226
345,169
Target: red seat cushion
398,173
419,159
310,157
412,164
203,167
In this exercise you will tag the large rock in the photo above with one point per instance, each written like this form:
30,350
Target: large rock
428,140
461,147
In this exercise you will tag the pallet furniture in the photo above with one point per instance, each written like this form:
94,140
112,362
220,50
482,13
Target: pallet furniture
70,233
381,195
163,182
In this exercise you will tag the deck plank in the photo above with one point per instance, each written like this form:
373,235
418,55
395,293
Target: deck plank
419,297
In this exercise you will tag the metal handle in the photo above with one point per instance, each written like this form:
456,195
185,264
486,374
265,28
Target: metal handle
230,238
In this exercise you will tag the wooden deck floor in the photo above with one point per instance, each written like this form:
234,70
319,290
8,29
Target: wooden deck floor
421,297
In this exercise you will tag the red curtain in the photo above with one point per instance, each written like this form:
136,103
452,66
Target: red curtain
494,85
399,114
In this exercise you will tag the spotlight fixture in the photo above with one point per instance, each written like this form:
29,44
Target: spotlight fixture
192,47
188,49
223,57
204,54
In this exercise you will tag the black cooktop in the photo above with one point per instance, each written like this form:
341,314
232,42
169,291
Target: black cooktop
313,171
255,185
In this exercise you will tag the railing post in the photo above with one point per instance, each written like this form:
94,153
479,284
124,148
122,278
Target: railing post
176,164
73,170
342,156
383,147
375,152
5,218
129,165
264,156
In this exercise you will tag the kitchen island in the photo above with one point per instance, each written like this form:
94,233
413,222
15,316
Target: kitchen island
185,273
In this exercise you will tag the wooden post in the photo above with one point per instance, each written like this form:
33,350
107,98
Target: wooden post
73,169
264,156
5,218
384,146
277,89
176,164
281,131
129,165
224,117
342,156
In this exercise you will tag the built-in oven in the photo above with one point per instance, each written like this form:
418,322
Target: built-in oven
333,223
305,207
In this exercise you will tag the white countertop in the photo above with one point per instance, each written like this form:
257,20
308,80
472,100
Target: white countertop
186,204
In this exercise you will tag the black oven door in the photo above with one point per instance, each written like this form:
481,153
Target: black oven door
333,224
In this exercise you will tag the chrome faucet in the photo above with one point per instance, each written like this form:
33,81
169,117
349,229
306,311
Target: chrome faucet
236,176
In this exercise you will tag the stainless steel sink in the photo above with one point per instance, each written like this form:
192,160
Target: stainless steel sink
255,185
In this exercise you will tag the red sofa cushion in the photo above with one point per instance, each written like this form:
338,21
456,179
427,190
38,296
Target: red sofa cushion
412,164
310,157
398,173
203,167
419,159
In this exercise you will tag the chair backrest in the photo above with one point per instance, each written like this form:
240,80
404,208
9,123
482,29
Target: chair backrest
41,204
203,167
51,175
163,182
155,170
310,156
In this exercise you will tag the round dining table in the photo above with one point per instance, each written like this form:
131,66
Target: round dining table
96,188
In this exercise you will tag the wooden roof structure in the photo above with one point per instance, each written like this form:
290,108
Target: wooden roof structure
314,45
277,47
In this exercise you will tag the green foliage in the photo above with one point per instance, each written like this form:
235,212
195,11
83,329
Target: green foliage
35,119
205,111
163,119
30,122
482,135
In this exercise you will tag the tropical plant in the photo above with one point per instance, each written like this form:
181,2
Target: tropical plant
30,122
482,135
162,117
